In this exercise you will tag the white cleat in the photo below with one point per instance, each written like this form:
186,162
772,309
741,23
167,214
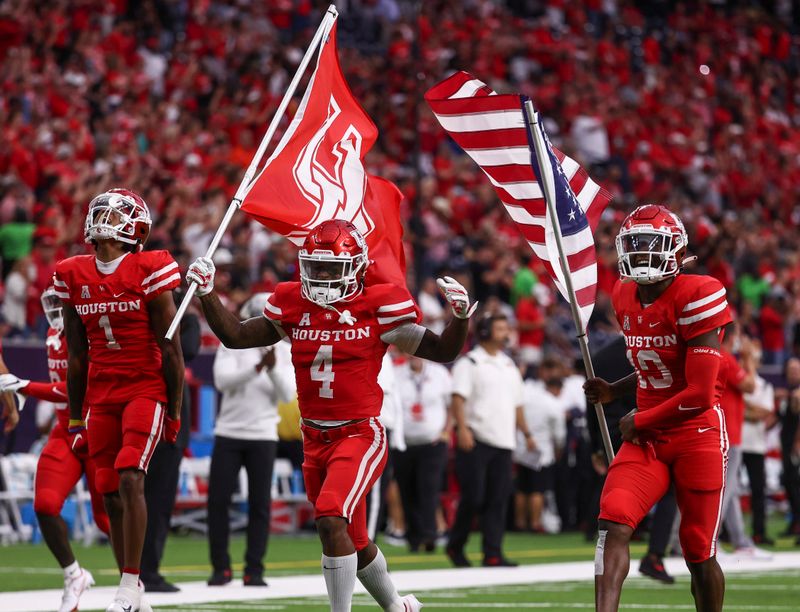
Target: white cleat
126,600
144,606
73,589
753,552
411,604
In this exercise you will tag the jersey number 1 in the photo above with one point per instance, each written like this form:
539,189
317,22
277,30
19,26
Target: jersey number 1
322,370
110,341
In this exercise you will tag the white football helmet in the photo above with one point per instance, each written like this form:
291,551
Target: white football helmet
333,261
651,245
53,308
118,214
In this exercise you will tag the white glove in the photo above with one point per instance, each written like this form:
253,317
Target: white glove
9,382
456,296
201,273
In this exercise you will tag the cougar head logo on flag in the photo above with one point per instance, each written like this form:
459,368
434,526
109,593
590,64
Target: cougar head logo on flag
332,178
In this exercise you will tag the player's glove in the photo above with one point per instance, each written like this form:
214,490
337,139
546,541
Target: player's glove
201,273
9,382
456,296
170,430
78,441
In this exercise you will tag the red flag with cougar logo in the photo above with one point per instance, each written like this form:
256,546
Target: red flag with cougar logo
316,173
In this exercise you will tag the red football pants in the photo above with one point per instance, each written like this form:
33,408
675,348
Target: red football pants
339,467
57,472
121,437
695,459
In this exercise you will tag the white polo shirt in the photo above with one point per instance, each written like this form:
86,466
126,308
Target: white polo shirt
754,434
492,388
544,415
424,398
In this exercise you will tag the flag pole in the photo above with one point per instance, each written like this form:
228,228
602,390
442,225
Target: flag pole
548,188
324,27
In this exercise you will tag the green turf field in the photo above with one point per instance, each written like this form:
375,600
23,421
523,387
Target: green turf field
773,592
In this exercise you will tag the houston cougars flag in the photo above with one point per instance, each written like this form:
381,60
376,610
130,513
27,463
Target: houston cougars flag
493,130
316,172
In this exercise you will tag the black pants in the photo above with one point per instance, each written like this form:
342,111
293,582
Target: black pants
160,488
419,471
791,481
754,464
228,457
484,475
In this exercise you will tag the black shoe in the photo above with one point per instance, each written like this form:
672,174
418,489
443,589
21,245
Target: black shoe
160,586
654,567
458,558
762,540
499,562
254,580
220,578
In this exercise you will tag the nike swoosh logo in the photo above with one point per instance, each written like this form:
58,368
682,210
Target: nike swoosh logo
688,407
118,295
656,323
704,429
57,392
329,568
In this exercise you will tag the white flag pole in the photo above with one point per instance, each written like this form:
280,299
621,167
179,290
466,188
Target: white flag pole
327,22
548,188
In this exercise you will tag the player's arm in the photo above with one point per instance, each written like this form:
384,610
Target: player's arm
10,413
703,359
77,362
162,311
232,332
48,391
421,342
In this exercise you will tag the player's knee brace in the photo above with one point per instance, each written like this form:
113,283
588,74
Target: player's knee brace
48,502
599,551
106,480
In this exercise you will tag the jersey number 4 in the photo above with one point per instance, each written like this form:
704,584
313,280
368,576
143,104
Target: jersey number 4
649,362
322,370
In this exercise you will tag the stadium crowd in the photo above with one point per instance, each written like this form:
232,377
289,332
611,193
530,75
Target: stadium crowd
696,104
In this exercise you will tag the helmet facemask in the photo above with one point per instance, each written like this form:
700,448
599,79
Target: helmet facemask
117,215
327,278
648,255
53,309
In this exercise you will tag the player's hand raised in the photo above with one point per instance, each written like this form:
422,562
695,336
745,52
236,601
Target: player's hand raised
201,273
456,296
598,390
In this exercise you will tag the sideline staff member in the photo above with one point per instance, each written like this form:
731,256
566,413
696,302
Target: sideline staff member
487,407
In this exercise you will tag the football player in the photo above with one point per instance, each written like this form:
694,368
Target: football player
340,327
672,323
9,413
121,370
59,467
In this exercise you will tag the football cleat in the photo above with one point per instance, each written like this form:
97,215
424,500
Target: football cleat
333,260
651,245
126,600
73,589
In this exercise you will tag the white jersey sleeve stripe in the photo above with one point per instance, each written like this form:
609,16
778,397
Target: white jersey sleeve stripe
704,315
273,309
161,272
166,281
706,300
60,283
62,295
387,320
398,306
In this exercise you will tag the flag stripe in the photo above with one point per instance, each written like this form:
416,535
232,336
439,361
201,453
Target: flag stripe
492,129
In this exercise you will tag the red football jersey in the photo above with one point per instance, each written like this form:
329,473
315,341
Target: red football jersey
124,357
336,364
657,335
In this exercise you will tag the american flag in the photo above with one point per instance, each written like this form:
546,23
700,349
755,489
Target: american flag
493,130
